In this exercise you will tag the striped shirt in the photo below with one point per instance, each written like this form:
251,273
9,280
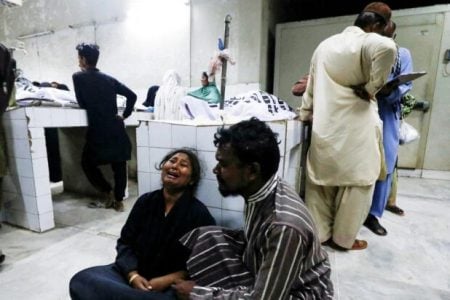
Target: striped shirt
282,251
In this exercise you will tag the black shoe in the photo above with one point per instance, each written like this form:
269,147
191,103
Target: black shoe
2,257
372,223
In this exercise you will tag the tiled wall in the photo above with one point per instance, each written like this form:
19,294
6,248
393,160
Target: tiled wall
154,139
26,190
26,194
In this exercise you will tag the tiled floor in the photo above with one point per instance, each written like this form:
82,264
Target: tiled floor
411,262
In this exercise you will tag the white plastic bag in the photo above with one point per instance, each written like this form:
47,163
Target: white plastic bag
408,133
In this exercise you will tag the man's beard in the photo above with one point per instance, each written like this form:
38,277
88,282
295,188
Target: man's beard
224,191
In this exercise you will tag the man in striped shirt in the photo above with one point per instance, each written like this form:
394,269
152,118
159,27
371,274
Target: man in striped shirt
281,255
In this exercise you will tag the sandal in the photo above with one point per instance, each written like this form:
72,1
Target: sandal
372,223
357,245
395,210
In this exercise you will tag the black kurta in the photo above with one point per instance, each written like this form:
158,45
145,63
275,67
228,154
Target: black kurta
149,240
106,138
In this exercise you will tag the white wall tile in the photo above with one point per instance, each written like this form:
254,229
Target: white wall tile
232,219
19,148
291,176
160,135
143,159
23,219
279,127
59,118
131,120
156,155
16,129
205,138
36,133
207,162
42,185
217,214
184,136
38,148
208,193
46,115
44,203
29,204
27,186
77,116
15,114
292,165
235,203
142,135
294,133
39,117
281,168
40,168
46,221
155,182
143,182
82,117
24,167
69,116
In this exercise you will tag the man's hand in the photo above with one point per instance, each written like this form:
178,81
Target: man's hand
183,288
361,92
300,86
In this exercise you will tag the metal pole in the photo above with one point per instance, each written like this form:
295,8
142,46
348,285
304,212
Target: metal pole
223,80
306,127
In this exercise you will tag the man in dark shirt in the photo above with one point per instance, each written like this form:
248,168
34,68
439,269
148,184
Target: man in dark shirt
106,140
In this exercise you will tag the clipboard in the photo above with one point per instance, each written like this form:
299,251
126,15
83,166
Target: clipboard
404,78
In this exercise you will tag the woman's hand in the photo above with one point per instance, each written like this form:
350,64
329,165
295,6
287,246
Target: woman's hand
139,282
158,284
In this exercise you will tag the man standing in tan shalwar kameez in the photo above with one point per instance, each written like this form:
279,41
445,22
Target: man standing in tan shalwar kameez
345,156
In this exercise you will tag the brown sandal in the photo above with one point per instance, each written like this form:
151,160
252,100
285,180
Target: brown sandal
357,245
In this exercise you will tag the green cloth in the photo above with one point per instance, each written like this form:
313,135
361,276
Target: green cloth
407,104
209,93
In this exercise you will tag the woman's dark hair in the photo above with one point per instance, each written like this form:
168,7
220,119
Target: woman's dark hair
90,52
195,164
252,141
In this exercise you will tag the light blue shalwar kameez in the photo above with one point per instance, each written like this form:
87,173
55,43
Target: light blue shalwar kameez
389,110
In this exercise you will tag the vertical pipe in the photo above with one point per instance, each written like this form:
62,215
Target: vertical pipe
223,80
